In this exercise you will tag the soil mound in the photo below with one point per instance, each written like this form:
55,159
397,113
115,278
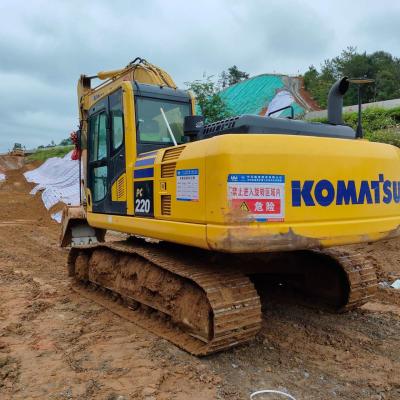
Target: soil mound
8,163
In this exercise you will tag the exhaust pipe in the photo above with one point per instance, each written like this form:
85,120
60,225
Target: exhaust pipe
335,101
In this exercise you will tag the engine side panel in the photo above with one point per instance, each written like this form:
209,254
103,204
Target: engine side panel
331,192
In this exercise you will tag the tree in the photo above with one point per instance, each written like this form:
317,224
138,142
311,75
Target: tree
65,142
206,91
317,85
211,105
232,76
380,66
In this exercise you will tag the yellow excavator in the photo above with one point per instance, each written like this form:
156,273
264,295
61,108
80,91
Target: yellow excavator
210,210
18,150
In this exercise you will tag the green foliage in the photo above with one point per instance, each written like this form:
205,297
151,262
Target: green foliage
212,107
232,76
395,114
381,66
373,119
318,85
379,124
65,142
389,136
44,154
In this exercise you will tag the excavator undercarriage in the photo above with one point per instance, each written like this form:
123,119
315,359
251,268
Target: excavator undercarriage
206,302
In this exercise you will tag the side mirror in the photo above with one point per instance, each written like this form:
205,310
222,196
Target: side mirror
192,125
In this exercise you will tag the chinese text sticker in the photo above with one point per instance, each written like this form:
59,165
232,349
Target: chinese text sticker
187,184
262,197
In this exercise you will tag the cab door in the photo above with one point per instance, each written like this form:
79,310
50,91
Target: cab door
98,156
106,160
117,159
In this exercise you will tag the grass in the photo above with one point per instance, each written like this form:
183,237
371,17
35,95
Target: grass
389,135
44,154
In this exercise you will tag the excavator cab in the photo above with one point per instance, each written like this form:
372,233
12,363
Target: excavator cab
143,100
157,119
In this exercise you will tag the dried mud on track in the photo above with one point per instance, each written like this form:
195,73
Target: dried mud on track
55,344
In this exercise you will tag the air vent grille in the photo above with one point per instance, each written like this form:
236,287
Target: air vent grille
121,188
215,127
173,154
168,170
165,204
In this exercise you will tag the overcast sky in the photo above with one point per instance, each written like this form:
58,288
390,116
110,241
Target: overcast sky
46,45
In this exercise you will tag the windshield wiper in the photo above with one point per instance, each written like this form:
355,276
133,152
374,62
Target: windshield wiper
168,127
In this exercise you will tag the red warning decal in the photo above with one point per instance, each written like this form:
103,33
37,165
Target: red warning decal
261,196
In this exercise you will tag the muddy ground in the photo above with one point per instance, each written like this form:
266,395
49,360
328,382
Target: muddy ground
55,344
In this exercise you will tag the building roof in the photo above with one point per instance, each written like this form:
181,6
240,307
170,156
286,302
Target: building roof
253,95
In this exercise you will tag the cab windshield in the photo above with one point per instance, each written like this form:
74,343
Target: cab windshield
151,125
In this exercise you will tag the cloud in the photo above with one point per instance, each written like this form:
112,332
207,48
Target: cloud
384,25
46,45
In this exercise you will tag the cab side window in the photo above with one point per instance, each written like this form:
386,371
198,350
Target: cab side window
98,154
98,136
100,183
117,120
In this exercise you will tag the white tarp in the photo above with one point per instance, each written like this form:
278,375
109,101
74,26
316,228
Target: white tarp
396,284
57,216
282,99
2,177
58,178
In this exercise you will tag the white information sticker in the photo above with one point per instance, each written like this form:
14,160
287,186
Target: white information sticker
187,184
261,197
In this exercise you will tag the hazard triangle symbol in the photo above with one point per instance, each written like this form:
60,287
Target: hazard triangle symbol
244,207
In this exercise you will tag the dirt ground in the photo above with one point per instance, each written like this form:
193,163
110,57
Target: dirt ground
55,344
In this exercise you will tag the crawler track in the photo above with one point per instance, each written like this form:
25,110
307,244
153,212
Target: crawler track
232,315
203,302
360,274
